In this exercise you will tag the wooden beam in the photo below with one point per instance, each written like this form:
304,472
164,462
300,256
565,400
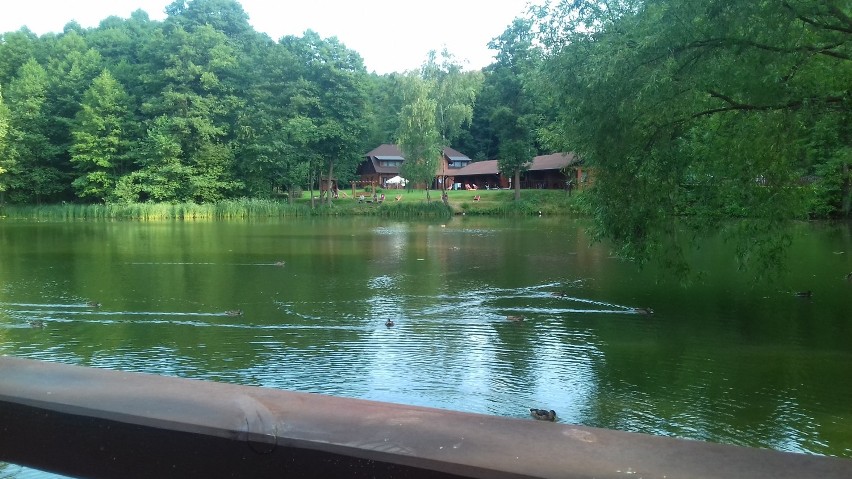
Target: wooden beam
96,423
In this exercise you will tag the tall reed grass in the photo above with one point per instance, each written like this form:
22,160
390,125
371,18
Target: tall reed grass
495,203
230,209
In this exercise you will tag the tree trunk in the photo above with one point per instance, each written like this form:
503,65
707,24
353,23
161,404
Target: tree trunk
330,181
517,185
311,186
846,191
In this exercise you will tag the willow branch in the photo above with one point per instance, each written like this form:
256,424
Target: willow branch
847,28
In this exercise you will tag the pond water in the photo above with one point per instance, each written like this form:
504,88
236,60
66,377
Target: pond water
725,359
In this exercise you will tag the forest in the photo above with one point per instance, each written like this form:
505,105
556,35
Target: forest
199,107
704,109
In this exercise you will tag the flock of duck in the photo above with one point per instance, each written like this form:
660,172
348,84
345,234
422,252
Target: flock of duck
39,324
538,414
550,415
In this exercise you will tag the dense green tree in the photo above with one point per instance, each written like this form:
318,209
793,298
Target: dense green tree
453,91
71,66
306,114
210,109
124,46
33,177
437,102
708,109
385,103
333,94
298,159
513,119
264,153
5,161
226,16
4,118
199,104
100,132
419,138
162,176
16,48
478,140
711,108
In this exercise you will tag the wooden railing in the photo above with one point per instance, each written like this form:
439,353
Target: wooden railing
95,423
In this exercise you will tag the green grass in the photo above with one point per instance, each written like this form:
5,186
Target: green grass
502,203
411,204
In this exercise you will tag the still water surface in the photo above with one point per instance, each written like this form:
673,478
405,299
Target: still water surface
724,360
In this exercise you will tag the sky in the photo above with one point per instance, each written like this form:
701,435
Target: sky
391,35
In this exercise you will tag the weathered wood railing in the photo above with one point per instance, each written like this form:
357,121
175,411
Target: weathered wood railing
96,423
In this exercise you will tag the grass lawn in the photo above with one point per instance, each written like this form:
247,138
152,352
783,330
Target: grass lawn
411,203
491,202
454,196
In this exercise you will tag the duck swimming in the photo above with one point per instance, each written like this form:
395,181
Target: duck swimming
643,310
234,312
93,304
543,414
36,323
389,323
515,317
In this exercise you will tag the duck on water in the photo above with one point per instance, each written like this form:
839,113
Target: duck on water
543,414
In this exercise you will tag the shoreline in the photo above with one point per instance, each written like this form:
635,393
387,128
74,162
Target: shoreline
411,204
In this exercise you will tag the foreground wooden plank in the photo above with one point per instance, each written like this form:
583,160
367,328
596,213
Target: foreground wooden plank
102,424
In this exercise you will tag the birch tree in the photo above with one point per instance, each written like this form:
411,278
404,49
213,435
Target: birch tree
419,138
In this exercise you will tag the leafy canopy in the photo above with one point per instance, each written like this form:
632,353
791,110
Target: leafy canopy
707,108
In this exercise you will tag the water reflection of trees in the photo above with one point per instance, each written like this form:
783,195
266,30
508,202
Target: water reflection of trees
722,360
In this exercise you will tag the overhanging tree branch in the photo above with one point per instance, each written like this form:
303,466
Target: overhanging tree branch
734,105
838,14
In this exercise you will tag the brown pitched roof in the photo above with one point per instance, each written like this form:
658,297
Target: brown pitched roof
555,161
393,150
385,150
488,167
451,153
389,151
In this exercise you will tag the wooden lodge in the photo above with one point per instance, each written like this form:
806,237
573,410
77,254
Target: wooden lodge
457,171
554,171
384,162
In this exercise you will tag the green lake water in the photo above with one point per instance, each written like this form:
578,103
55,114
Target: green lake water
725,360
